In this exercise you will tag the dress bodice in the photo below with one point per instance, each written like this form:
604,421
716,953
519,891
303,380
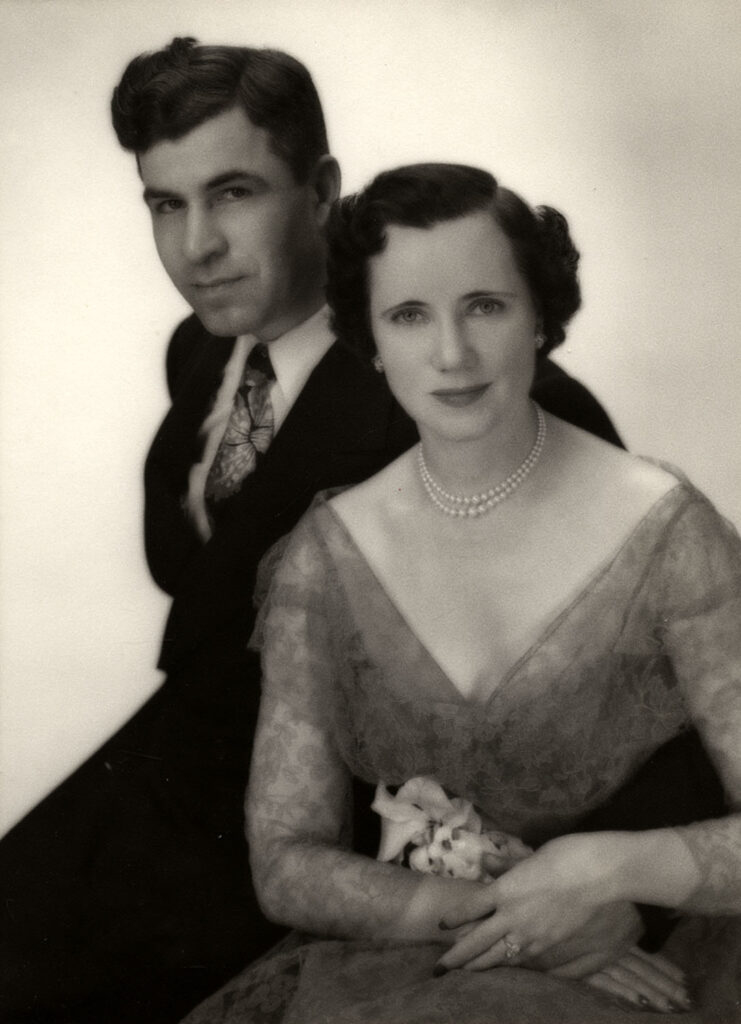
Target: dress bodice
593,696
649,644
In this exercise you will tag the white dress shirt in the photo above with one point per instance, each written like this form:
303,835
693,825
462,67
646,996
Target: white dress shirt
294,355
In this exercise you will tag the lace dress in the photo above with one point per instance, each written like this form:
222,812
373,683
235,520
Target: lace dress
608,681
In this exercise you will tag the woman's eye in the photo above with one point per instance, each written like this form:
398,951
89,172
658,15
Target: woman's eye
485,307
407,317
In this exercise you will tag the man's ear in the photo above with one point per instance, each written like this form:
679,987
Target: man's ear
326,180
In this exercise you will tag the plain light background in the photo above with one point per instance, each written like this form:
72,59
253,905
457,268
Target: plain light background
626,114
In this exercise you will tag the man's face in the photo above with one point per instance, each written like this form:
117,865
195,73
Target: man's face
241,241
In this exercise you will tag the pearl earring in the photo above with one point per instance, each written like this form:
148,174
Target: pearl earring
377,363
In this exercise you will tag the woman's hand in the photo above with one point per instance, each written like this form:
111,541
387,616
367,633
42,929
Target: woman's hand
539,904
647,980
607,936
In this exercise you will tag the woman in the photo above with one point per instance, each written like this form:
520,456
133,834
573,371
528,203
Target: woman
513,608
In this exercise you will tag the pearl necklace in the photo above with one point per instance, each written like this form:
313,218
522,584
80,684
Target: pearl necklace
480,504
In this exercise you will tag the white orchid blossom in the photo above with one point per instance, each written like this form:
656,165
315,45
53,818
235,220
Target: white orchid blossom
446,831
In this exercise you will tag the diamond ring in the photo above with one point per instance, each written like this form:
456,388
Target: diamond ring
512,949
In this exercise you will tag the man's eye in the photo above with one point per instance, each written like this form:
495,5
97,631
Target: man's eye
233,193
169,206
407,317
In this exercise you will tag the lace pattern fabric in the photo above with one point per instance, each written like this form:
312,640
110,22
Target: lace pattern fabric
648,646
570,721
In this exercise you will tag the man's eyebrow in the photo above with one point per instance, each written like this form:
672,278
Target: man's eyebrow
234,175
156,193
255,180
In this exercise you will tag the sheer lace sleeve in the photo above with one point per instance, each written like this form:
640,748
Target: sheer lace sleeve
298,805
702,615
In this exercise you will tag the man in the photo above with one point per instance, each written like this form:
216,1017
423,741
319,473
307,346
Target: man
127,890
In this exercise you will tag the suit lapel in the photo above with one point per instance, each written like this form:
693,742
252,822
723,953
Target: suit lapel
342,413
337,432
337,427
180,433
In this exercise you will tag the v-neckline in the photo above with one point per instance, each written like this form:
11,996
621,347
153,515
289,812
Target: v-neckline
540,639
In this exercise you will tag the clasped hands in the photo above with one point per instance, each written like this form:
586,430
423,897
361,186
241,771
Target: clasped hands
549,913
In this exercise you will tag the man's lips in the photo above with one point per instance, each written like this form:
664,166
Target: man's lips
218,283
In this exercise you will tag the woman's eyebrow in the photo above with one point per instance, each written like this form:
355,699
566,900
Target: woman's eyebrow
482,292
403,304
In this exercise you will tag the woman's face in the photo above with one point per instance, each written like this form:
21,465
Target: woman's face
455,324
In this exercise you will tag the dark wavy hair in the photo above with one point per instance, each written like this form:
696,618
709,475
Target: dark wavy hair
166,94
422,195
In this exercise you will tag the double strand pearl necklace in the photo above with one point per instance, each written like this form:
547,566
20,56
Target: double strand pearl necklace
479,504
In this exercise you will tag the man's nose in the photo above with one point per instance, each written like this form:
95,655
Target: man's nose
452,349
203,236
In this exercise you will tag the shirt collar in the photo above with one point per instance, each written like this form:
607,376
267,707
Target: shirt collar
295,354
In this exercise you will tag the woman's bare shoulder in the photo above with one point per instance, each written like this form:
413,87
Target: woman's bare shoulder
614,470
374,497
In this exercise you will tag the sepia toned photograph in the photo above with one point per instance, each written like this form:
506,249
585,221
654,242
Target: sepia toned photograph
370,574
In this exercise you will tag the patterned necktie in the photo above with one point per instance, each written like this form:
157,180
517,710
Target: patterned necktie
249,430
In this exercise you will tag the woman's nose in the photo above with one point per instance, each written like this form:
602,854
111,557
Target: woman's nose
451,349
203,236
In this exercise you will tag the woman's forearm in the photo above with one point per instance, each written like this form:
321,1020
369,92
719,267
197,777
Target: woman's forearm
298,825
715,847
335,892
695,868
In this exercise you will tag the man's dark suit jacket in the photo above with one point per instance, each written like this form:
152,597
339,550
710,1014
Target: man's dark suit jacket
127,890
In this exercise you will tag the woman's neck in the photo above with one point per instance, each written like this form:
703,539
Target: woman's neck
473,466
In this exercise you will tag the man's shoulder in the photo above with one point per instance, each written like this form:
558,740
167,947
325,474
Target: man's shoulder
190,340
188,336
191,327
569,399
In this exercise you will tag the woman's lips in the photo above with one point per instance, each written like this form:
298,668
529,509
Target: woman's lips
460,396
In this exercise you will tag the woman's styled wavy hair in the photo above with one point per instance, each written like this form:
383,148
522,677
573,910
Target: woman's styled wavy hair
422,195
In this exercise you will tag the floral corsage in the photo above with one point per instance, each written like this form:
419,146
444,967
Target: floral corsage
424,829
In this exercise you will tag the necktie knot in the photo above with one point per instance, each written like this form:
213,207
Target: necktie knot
249,430
259,359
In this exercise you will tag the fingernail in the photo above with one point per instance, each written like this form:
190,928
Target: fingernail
438,970
683,1006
